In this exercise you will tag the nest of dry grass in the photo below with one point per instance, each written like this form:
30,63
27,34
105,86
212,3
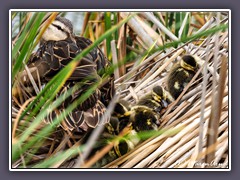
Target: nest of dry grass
189,116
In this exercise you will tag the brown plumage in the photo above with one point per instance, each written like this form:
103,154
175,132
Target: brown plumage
102,64
57,48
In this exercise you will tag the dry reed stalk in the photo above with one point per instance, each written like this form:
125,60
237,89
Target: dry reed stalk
193,141
170,118
165,146
150,58
168,151
85,22
201,125
135,159
161,17
155,36
196,155
180,152
163,158
220,153
154,20
122,47
51,149
156,73
141,33
151,71
129,74
183,25
199,18
61,161
171,140
114,59
216,110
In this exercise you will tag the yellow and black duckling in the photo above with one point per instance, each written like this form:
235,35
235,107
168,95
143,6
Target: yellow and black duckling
58,47
120,119
122,114
181,74
120,148
122,145
145,114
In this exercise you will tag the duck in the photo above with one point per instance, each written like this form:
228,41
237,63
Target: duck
58,46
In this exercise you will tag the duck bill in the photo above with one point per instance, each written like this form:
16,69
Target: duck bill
164,103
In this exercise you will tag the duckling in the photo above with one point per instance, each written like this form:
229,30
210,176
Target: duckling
146,113
124,145
121,145
144,118
58,47
181,74
122,114
119,149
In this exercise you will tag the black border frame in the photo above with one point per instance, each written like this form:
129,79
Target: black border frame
170,4
125,169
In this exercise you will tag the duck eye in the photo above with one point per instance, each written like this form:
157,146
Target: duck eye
58,27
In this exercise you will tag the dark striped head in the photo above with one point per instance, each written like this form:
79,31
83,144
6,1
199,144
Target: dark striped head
60,29
158,90
188,62
121,148
121,109
159,94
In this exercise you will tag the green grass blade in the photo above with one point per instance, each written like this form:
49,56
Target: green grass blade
26,42
177,23
108,25
191,38
55,159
